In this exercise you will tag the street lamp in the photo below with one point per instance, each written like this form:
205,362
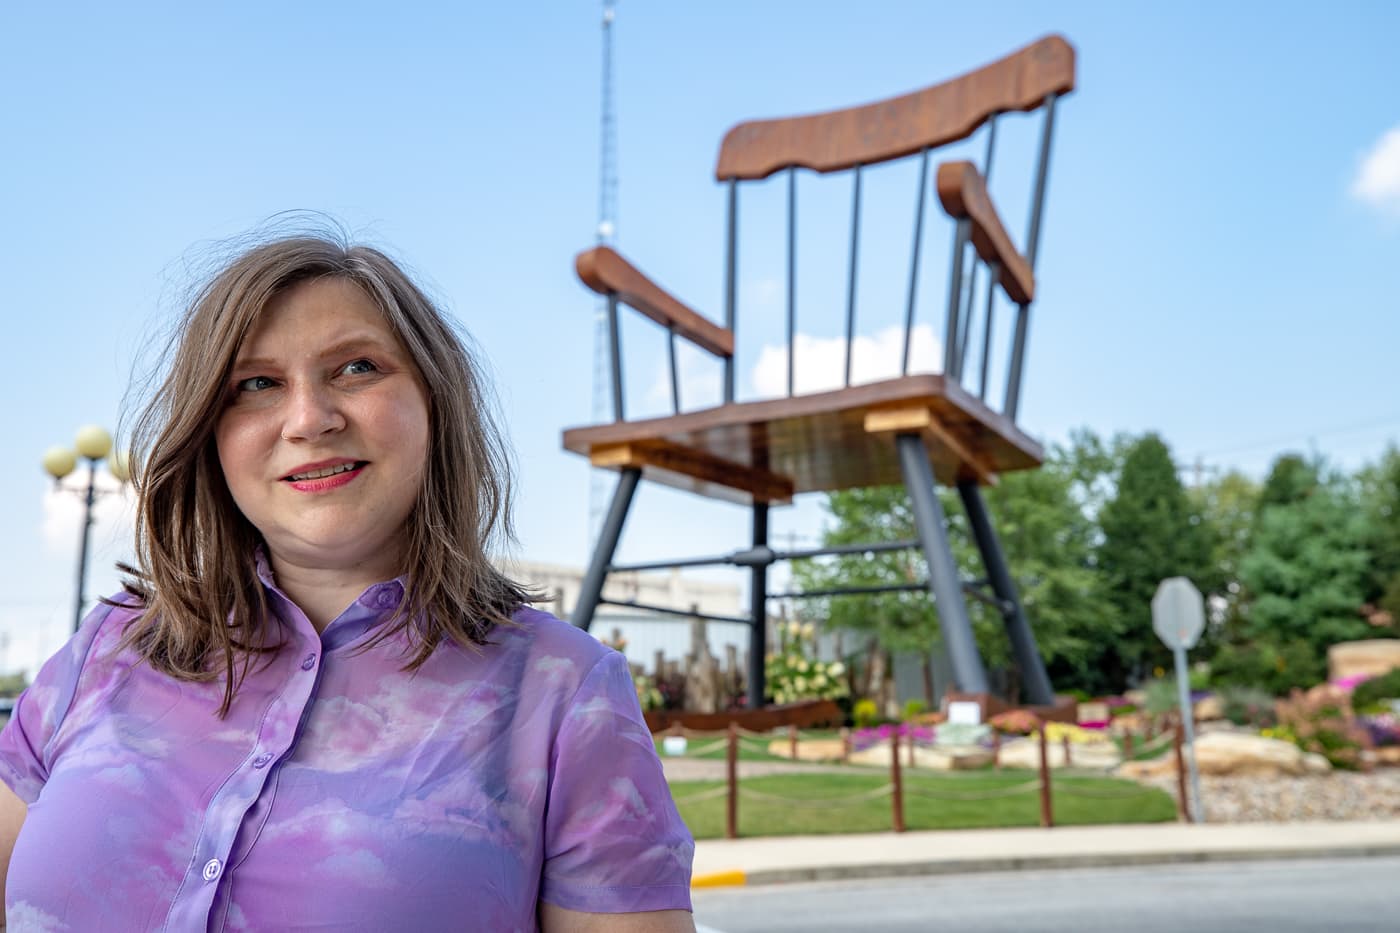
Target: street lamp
93,444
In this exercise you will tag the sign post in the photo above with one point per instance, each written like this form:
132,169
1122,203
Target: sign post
1178,618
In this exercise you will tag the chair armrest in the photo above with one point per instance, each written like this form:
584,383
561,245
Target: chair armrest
964,196
607,273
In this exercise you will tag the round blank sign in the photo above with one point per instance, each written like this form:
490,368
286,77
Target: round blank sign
1178,613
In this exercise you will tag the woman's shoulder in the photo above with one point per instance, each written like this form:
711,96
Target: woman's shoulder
552,645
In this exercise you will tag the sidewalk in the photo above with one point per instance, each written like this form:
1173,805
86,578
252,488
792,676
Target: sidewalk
773,859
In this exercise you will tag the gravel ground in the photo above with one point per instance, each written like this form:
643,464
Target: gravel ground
1340,795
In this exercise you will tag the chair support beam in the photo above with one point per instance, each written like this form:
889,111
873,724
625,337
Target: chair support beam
1018,628
944,584
591,590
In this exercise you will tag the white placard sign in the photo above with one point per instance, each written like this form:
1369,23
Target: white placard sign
964,713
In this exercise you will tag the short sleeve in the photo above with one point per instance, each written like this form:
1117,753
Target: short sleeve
614,842
39,711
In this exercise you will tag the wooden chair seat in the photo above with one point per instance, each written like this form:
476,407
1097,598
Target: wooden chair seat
769,450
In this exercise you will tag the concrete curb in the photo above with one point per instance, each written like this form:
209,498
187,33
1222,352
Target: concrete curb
737,877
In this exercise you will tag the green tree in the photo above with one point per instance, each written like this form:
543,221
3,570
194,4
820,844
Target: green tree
1380,502
1150,532
1227,505
1047,533
1305,573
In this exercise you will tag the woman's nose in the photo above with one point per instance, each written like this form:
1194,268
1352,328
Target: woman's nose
312,411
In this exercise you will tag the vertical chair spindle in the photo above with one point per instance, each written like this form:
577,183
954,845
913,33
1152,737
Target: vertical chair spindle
851,279
914,260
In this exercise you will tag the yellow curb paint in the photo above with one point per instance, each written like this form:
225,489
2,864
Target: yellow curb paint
719,879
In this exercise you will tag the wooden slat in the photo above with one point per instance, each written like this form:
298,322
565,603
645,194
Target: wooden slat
606,272
760,485
820,441
921,419
900,126
963,193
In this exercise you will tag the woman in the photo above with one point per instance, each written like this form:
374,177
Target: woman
318,705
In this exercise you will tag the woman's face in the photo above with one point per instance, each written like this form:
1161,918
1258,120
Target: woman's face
324,438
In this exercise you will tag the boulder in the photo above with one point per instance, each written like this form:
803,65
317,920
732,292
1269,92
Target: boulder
1236,753
810,749
1363,658
1025,753
948,758
1208,708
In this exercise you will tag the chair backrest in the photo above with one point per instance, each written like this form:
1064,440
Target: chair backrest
853,139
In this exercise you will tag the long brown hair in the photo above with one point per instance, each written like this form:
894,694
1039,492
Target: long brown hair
204,607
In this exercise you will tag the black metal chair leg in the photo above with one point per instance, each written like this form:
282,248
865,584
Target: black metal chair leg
1018,629
758,606
591,590
944,583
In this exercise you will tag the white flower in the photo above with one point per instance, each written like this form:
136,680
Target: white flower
794,628
799,684
802,665
819,681
837,669
808,630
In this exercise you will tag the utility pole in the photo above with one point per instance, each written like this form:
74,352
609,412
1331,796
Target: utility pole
606,234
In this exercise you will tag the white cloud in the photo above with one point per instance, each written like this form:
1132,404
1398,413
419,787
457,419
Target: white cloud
1377,182
821,361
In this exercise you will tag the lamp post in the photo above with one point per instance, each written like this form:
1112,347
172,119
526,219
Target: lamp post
93,444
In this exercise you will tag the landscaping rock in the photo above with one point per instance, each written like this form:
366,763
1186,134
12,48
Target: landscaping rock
1233,753
945,758
1208,709
1363,658
809,749
1025,753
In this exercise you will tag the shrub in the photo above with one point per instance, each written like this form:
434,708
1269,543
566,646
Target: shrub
1369,695
1248,706
864,713
1321,721
1160,696
792,674
913,709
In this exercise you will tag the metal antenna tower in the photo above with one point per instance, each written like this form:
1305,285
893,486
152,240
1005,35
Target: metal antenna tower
606,235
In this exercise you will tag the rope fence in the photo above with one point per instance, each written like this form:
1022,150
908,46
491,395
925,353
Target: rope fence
735,738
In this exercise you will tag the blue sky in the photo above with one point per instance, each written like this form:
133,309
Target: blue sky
1216,260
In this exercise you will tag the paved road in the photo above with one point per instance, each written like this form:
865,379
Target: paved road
1333,895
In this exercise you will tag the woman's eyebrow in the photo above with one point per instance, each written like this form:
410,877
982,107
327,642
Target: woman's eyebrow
351,344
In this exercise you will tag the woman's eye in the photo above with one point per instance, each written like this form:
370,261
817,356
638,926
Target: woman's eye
255,384
359,367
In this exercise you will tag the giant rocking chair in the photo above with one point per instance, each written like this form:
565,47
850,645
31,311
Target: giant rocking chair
919,429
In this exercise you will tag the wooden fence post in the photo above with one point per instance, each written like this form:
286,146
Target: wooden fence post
731,774
1047,817
996,749
897,796
1127,746
792,742
1064,743
1183,807
845,744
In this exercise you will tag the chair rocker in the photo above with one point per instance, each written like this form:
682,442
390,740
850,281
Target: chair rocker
917,429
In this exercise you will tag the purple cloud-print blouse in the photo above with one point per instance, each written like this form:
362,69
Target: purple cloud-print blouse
339,793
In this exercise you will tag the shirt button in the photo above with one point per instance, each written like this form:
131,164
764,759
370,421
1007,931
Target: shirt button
262,760
387,598
212,869
308,662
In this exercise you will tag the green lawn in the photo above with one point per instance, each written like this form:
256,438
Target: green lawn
763,817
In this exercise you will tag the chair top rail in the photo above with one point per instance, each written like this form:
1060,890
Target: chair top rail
900,126
963,194
604,271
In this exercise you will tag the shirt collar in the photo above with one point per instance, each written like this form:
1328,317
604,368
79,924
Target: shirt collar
371,607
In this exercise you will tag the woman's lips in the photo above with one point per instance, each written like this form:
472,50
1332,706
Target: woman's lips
325,483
